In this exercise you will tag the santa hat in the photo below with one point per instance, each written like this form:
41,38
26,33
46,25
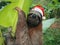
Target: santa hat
39,9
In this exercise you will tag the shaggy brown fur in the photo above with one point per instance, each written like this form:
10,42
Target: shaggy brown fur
36,34
27,35
22,36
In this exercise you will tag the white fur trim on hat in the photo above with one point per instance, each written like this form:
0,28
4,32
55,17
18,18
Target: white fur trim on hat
39,10
43,17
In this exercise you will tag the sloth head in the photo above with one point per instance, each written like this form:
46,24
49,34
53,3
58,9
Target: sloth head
34,18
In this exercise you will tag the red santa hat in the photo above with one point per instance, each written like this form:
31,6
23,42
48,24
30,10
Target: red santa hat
39,9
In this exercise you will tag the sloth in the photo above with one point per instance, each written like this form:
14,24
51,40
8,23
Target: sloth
25,35
28,31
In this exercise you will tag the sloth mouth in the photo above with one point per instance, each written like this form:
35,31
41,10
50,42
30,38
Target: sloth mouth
4,3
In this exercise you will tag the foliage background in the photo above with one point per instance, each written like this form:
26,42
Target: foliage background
52,10
51,7
9,16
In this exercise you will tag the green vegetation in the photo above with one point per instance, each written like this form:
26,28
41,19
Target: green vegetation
9,16
52,35
51,7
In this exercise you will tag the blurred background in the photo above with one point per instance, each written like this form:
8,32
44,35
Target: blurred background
51,23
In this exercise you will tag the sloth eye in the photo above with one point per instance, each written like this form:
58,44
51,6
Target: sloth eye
33,16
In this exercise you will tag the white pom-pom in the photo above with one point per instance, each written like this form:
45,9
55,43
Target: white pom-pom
43,17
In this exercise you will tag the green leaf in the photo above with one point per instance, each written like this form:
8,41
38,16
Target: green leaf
9,16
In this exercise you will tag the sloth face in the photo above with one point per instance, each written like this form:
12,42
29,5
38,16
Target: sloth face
33,20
